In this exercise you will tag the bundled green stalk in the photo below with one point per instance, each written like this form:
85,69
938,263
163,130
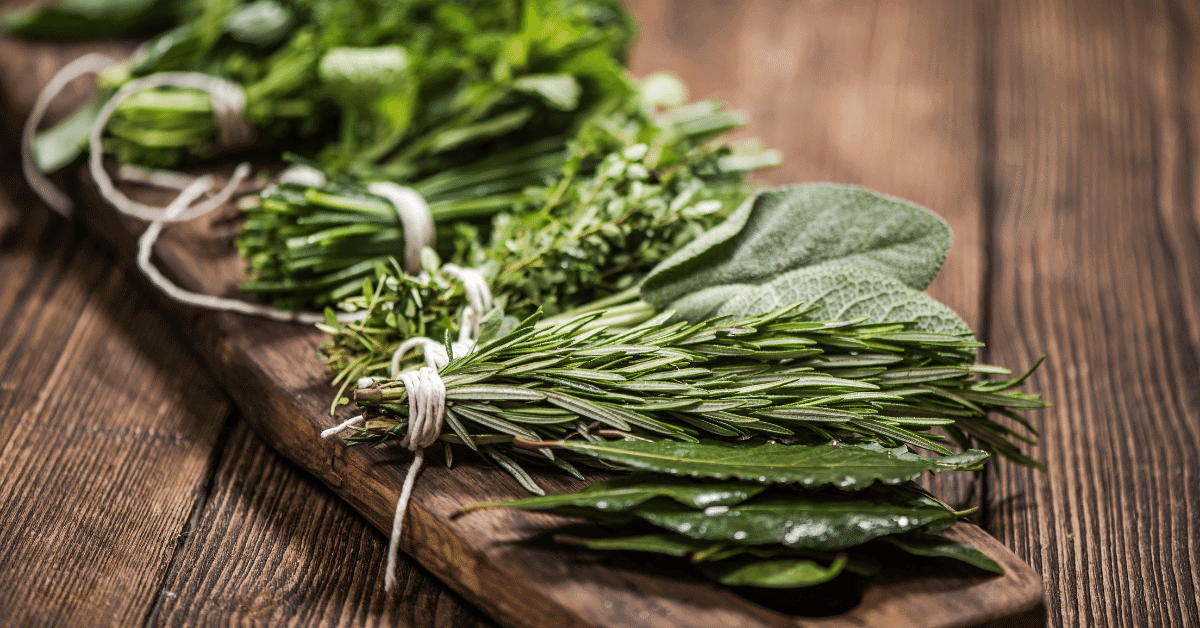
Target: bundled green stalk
394,90
770,441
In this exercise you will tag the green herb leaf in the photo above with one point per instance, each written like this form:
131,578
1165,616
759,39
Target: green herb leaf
826,520
849,467
624,493
59,145
923,544
835,292
668,543
776,573
785,229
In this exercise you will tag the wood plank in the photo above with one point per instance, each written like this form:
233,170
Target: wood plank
107,426
1096,228
269,371
882,94
34,254
275,546
266,368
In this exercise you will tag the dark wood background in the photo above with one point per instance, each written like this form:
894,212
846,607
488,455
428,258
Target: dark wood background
1055,136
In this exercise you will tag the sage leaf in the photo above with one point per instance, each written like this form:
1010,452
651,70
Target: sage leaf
834,292
61,144
849,467
827,520
781,230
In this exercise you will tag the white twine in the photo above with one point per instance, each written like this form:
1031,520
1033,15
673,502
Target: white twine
479,295
414,216
427,393
302,175
341,426
426,412
153,176
87,64
228,99
171,212
229,103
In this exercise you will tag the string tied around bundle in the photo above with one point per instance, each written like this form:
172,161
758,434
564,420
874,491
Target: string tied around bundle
426,397
234,131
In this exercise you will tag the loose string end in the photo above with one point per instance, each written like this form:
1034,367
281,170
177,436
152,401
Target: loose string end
333,431
389,578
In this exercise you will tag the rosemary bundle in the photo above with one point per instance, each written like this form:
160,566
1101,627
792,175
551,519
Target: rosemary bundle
768,393
769,450
775,375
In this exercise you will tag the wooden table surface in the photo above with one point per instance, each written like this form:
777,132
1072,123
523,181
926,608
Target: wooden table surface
1056,137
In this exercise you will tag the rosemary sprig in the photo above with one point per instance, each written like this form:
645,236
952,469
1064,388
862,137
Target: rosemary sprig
771,376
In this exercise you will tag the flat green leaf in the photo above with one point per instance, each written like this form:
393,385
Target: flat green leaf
785,229
624,493
669,544
923,544
826,521
835,291
849,467
560,91
776,573
61,144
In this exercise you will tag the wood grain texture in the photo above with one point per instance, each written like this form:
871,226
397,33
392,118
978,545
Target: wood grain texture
274,546
267,369
45,288
486,556
1096,265
859,65
107,428
882,94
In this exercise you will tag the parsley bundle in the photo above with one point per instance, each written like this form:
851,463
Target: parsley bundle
395,90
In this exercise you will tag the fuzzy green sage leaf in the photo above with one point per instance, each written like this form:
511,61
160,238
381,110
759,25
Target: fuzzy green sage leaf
784,229
836,292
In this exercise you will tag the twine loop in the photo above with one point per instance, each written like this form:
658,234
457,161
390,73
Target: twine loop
415,218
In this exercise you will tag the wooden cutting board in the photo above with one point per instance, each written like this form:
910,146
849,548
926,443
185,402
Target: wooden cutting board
270,371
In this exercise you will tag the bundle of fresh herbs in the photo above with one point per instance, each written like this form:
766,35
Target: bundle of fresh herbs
765,378
395,90
644,175
768,411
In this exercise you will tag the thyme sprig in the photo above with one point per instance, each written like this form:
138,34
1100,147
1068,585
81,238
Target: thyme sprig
774,376
573,221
